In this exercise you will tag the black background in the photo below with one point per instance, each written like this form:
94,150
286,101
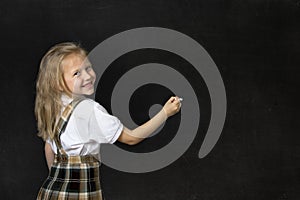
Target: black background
254,43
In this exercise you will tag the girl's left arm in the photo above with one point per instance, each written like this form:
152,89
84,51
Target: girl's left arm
49,154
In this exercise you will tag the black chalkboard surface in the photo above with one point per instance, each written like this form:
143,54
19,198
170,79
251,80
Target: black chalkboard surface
254,43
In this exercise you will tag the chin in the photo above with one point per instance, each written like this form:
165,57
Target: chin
90,92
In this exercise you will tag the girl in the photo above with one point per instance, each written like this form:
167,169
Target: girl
74,127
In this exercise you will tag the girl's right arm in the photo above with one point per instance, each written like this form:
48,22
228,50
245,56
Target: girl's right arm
132,137
49,154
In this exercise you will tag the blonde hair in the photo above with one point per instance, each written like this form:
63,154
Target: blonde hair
51,85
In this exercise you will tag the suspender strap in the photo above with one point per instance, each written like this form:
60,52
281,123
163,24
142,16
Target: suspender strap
62,123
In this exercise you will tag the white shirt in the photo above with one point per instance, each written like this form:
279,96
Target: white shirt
89,126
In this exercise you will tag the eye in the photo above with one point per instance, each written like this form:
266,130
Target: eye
88,68
77,73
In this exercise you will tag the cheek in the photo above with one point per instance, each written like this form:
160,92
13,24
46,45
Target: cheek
70,83
77,82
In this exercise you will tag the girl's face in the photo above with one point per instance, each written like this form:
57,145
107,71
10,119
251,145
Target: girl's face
78,74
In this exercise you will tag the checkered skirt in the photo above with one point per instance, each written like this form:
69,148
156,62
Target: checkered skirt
72,177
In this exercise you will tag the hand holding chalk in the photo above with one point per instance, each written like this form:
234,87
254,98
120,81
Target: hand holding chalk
172,106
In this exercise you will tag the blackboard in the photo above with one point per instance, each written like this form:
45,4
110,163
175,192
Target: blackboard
254,43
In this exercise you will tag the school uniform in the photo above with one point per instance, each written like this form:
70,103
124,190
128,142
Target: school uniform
82,128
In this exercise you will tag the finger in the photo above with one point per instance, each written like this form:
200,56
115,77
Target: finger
172,99
177,109
177,102
179,99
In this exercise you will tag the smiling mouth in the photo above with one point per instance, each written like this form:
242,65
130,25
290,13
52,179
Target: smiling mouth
89,84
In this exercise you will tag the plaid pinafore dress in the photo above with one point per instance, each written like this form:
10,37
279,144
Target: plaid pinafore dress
71,177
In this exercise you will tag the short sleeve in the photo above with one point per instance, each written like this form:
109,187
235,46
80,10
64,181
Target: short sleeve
100,126
52,144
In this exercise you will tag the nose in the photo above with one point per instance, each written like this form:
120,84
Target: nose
86,75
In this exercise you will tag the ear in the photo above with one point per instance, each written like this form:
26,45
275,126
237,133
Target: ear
60,88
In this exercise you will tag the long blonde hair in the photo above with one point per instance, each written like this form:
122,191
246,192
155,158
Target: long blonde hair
51,85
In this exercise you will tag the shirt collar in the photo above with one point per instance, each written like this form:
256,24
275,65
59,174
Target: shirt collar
66,99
